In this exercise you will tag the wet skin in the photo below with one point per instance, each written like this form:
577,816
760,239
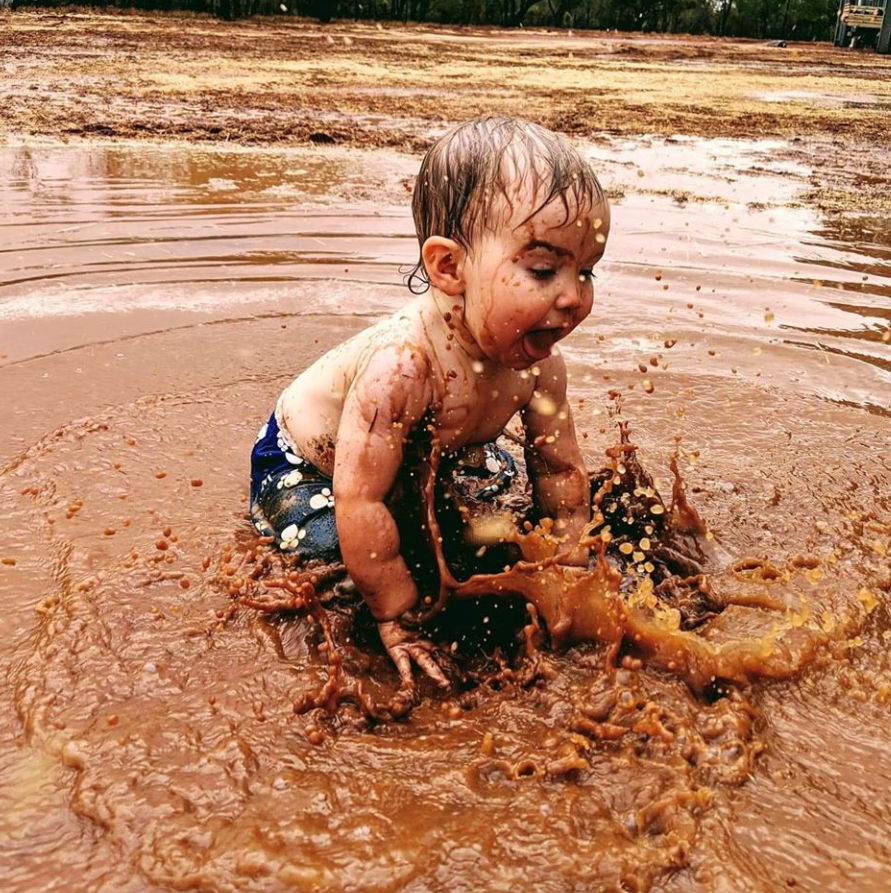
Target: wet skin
479,347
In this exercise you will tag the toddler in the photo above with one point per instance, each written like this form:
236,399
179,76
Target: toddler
510,220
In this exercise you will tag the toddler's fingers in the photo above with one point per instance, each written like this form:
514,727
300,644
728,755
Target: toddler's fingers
431,668
426,644
403,665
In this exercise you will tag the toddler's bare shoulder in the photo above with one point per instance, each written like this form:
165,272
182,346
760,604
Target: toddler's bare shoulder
551,377
395,349
394,373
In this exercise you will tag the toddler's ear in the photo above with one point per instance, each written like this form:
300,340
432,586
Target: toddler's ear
444,261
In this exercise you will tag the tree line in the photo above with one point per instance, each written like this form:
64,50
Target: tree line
766,19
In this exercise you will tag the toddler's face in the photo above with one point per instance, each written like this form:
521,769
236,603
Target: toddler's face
529,284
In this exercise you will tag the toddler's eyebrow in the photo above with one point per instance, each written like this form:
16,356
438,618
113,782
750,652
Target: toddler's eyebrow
556,249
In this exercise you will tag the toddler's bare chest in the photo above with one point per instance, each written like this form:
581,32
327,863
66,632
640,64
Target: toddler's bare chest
477,412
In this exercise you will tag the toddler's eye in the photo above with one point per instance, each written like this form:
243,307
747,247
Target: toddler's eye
541,272
586,275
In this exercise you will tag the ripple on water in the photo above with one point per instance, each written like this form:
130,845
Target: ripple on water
168,724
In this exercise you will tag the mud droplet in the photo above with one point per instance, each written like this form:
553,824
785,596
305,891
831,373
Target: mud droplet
868,600
160,475
110,531
9,562
72,756
648,386
314,736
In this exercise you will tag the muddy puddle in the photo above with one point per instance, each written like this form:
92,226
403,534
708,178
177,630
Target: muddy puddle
153,303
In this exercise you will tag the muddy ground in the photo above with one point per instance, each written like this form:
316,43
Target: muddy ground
77,75
232,203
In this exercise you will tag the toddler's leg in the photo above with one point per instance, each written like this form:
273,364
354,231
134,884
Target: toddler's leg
291,500
483,472
477,490
300,513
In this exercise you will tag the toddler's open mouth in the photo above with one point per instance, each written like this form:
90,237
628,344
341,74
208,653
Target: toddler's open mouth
537,343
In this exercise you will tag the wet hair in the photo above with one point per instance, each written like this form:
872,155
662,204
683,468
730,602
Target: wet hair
473,165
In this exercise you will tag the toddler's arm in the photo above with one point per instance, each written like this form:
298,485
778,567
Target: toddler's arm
387,398
553,458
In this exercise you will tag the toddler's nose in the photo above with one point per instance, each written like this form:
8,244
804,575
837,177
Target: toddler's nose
571,296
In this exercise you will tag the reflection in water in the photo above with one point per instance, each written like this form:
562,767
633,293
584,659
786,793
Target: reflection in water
152,303
117,230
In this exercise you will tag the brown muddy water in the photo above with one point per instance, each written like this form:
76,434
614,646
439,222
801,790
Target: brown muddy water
153,303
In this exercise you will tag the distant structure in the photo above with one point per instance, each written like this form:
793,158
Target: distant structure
862,22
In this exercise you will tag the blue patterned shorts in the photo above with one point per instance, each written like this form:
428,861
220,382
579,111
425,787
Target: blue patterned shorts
293,501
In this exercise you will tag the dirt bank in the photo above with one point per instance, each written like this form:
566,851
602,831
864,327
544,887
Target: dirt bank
78,74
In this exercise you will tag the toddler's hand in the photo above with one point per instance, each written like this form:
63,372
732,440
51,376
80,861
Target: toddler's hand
404,647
